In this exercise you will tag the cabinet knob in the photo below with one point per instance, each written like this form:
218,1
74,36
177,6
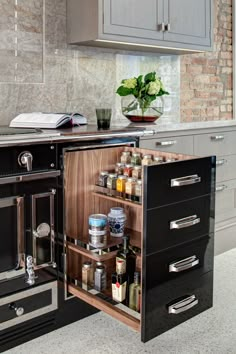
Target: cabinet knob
161,27
18,310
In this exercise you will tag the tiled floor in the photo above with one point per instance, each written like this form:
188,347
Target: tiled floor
213,331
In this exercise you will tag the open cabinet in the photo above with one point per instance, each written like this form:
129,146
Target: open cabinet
172,227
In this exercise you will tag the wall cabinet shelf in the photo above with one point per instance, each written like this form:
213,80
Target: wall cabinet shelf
174,262
154,25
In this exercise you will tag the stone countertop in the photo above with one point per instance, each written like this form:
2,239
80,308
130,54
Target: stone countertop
213,331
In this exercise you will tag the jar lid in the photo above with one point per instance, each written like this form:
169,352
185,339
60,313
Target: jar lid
100,269
158,158
117,210
135,154
104,173
148,156
97,217
87,264
137,167
131,179
112,175
122,177
120,164
126,153
129,165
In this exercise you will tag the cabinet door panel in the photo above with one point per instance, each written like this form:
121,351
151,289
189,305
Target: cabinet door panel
170,183
225,201
173,296
162,232
135,18
189,21
179,144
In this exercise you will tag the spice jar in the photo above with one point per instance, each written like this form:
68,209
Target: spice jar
147,160
128,170
120,183
158,159
87,275
102,179
137,172
130,188
120,168
138,191
111,181
100,281
125,157
136,158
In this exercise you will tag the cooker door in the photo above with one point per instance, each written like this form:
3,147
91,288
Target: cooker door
12,257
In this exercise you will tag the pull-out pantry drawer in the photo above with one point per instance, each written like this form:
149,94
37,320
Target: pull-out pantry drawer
174,302
176,181
195,257
177,223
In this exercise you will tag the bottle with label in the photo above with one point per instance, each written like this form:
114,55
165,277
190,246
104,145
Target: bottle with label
135,293
87,275
128,258
119,287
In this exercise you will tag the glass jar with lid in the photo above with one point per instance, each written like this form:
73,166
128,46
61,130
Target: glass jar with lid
136,158
158,159
102,179
125,157
120,183
111,181
138,190
128,170
147,160
137,172
87,275
120,168
130,188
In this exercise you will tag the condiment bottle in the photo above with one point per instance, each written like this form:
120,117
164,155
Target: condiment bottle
125,157
87,275
137,172
102,180
136,158
135,293
147,160
120,183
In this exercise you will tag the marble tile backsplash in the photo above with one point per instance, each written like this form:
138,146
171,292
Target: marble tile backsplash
40,72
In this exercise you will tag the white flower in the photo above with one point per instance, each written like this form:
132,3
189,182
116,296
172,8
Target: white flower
154,87
130,83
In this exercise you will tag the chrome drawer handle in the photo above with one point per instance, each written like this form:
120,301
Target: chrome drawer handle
183,305
184,222
220,162
184,181
217,137
221,188
184,264
166,143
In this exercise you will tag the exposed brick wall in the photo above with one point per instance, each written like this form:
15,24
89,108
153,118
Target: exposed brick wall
206,91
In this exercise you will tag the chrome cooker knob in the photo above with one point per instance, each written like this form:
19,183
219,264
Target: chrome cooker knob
18,310
25,159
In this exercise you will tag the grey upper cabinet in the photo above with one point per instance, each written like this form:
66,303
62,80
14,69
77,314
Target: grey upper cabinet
170,26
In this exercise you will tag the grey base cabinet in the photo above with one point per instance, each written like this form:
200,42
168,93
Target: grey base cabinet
175,26
205,142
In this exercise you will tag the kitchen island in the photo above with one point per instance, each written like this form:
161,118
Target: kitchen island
213,331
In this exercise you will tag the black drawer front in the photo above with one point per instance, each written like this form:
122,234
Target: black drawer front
26,305
158,300
161,223
195,257
158,180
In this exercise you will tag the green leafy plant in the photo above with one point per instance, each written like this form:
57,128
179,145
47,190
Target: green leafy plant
144,88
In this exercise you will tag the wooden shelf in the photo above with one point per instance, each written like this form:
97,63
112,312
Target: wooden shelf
103,305
107,194
90,254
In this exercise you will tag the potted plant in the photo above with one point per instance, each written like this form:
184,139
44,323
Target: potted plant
142,99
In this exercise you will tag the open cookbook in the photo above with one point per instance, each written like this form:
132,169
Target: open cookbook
47,120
